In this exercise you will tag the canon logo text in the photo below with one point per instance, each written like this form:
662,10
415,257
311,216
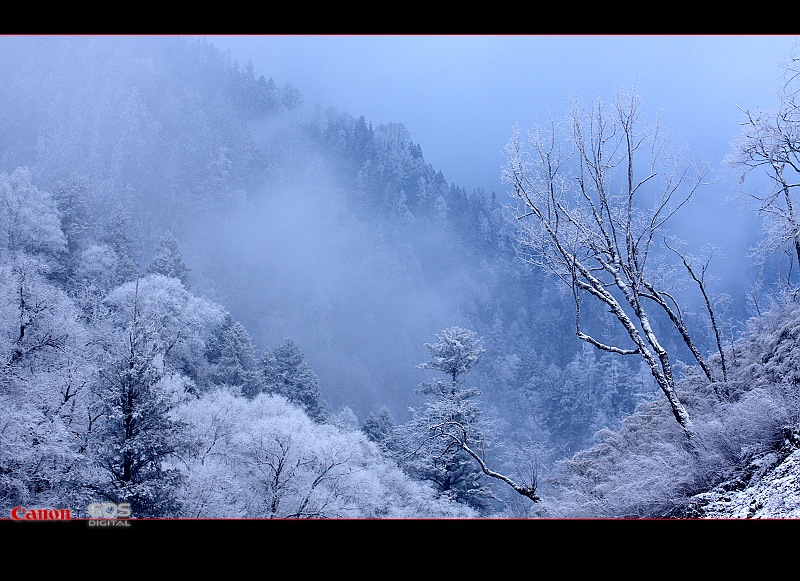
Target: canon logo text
20,513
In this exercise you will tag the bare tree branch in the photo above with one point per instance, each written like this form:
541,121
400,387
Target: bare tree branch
594,231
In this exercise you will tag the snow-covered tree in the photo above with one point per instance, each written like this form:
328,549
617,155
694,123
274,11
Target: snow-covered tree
457,351
96,272
596,229
446,441
168,260
232,358
265,458
136,394
287,372
46,364
378,426
29,219
569,401
184,322
769,143
118,237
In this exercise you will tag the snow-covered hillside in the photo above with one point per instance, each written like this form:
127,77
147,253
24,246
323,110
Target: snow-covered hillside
769,489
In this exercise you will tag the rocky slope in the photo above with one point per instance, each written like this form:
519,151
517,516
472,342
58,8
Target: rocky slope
768,489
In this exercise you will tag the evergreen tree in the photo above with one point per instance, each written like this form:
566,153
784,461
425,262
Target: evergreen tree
378,426
289,374
73,200
435,445
168,260
232,358
457,351
136,434
569,402
118,237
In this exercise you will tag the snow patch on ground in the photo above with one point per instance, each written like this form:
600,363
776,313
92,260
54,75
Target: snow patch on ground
773,492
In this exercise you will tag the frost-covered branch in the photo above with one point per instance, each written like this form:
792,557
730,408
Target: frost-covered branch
699,278
596,231
770,142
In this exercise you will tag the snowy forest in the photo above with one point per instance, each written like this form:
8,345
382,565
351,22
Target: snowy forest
218,302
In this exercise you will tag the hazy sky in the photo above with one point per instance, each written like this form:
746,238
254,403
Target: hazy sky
459,96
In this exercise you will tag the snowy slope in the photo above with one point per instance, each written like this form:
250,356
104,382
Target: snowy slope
770,489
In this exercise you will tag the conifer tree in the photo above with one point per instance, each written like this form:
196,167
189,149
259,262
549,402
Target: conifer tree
445,442
449,418
73,200
378,426
136,434
288,373
118,237
168,260
232,358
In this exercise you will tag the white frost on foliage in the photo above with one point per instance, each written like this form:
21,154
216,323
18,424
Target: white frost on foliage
266,458
775,495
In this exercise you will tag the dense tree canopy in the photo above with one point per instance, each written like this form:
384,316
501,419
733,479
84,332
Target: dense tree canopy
121,382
